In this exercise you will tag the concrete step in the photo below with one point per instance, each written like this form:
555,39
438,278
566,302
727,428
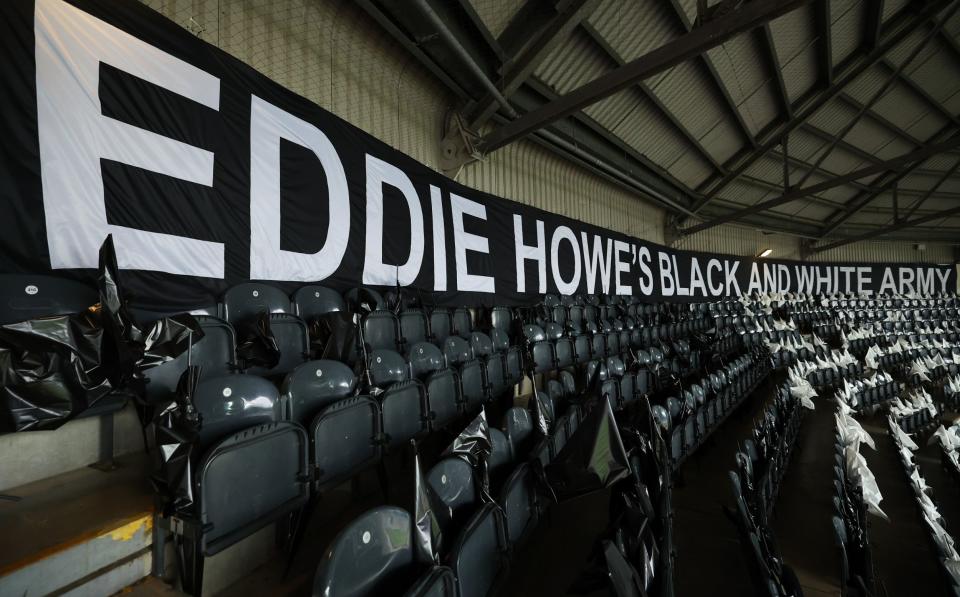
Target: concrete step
84,532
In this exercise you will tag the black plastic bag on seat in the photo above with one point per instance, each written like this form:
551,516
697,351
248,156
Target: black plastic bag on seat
256,345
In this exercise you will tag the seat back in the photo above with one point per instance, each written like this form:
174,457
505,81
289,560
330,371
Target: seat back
30,296
477,555
439,581
518,427
457,350
473,385
441,325
373,555
413,326
381,330
404,410
215,353
313,386
312,301
267,465
345,438
293,340
481,344
462,322
244,301
424,358
500,456
518,500
501,319
443,397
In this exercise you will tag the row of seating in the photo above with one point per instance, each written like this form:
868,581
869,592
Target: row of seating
689,420
948,558
869,393
765,457
915,412
851,527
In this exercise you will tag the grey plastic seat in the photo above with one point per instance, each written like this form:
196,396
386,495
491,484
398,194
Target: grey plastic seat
564,352
248,300
293,341
518,500
413,326
500,453
441,325
386,367
441,383
313,386
518,427
478,553
453,483
245,448
215,353
501,319
404,412
346,439
473,385
558,436
582,349
462,322
439,581
364,299
457,350
311,302
381,330
30,296
374,555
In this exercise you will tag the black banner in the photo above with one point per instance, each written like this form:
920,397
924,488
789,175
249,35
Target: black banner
116,120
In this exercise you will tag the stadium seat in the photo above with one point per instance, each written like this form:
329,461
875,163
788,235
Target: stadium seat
518,427
413,326
442,385
29,296
346,438
215,353
245,301
381,330
311,302
477,557
313,386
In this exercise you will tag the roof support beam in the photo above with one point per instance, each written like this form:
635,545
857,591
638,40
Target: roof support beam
793,195
712,70
876,117
821,15
773,64
888,229
922,93
871,25
696,42
850,72
932,190
519,67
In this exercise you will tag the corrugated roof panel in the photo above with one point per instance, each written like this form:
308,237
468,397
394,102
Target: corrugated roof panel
573,63
689,97
723,141
952,26
953,103
610,111
927,125
691,169
645,130
635,28
939,75
743,193
902,50
770,169
689,7
800,74
892,7
793,32
496,14
941,162
847,29
737,63
803,145
841,161
867,84
900,106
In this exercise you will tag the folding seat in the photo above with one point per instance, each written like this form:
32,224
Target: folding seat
542,349
477,557
518,427
438,581
494,363
381,330
613,343
441,325
403,403
244,449
346,438
610,389
473,384
311,302
248,300
313,386
598,345
569,384
215,353
519,503
564,352
575,315
373,555
512,356
462,322
558,436
582,349
452,480
558,315
30,296
364,300
293,341
501,456
413,327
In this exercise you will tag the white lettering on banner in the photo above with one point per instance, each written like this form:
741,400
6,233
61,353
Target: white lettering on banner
714,264
439,240
666,274
564,233
696,278
925,283
537,252
863,279
646,275
268,125
769,277
906,280
621,267
681,291
804,278
847,271
599,263
887,283
75,136
375,271
733,287
783,278
464,241
944,275
754,285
